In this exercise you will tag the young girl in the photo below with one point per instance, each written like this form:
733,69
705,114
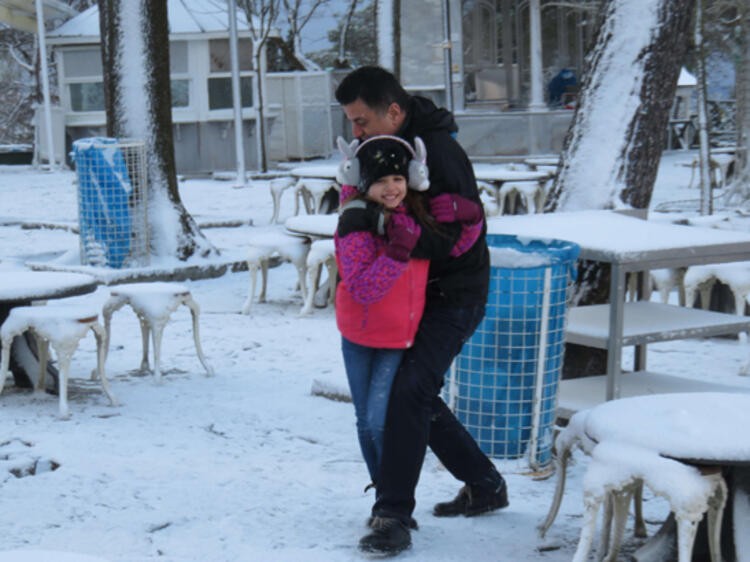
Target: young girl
380,298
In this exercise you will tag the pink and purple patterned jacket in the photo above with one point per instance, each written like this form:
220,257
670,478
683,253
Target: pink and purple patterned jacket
379,301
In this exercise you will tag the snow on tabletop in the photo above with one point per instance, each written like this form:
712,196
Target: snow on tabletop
699,425
46,556
611,232
316,225
16,285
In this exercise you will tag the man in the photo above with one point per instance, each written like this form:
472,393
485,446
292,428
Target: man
376,104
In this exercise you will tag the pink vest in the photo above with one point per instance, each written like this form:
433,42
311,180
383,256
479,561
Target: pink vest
390,322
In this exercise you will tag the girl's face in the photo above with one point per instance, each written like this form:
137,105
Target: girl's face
389,191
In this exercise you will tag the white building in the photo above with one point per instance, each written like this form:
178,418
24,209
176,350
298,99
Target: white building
202,107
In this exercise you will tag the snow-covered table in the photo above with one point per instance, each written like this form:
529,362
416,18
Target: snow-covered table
703,429
21,288
323,170
630,244
313,226
314,183
496,176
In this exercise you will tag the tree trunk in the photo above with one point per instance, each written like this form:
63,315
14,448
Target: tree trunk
612,150
629,81
138,104
742,164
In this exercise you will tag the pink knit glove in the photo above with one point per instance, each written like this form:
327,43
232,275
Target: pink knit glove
450,207
403,233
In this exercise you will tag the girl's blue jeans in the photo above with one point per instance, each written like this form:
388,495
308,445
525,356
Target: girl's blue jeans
370,372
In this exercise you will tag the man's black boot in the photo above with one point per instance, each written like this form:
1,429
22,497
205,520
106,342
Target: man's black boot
474,500
413,525
389,536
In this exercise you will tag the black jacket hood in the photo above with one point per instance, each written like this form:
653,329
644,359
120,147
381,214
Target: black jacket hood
424,116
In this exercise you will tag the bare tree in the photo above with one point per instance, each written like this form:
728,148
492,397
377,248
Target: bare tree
135,57
341,61
261,18
297,20
612,150
19,70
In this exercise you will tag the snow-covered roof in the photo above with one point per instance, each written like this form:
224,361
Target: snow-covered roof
21,14
686,79
186,17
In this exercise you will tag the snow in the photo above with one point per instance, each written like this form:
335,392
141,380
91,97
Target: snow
61,323
509,257
195,16
683,422
615,464
642,236
686,78
249,464
24,284
155,301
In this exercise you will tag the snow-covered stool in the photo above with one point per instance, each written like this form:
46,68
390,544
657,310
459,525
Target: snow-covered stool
322,253
311,192
719,165
62,327
699,279
489,189
154,304
277,187
664,281
292,249
735,275
570,437
531,194
617,469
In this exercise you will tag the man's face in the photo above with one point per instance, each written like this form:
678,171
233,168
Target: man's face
367,122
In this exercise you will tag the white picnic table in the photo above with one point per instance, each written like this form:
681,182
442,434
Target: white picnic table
323,170
505,184
314,182
21,288
697,429
313,226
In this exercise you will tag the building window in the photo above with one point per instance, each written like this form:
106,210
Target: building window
86,96
220,92
179,73
220,59
83,75
220,79
180,93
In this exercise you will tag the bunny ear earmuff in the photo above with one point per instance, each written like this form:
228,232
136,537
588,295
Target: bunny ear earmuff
348,171
418,172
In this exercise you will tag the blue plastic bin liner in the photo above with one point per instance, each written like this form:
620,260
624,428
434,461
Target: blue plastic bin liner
104,190
493,385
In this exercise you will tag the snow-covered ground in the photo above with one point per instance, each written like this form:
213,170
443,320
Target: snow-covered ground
247,465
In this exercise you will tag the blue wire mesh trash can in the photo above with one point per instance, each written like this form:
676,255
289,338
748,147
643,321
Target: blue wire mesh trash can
111,201
503,386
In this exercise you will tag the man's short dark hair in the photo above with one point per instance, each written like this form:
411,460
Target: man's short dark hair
375,86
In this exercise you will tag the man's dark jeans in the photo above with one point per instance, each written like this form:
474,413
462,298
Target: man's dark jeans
417,416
